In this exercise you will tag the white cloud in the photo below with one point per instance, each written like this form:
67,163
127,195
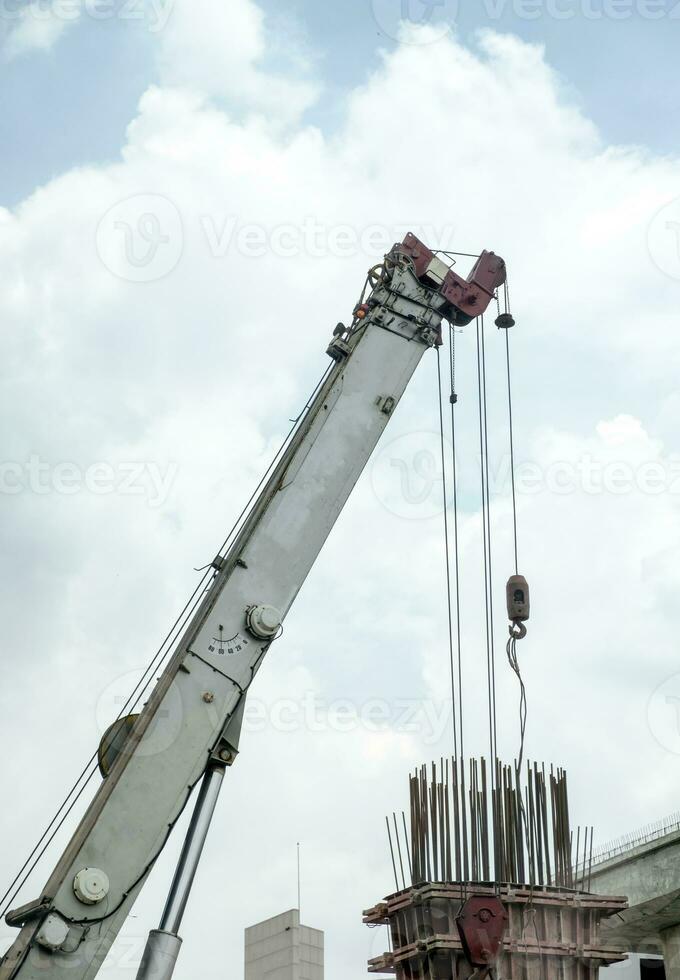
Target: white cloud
38,27
219,49
202,365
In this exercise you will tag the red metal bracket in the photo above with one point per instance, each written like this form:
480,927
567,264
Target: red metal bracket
470,296
482,922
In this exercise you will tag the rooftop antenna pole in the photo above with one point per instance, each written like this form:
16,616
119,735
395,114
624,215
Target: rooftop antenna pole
298,879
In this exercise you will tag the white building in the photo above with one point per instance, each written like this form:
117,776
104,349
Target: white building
636,967
282,949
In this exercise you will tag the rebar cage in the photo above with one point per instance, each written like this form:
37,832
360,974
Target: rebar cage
499,831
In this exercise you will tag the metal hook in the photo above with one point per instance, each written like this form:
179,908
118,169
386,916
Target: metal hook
518,630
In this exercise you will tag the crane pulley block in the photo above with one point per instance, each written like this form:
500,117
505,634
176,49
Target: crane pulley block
519,606
517,591
467,298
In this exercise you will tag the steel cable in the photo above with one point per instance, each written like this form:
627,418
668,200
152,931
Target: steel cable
453,400
486,534
512,449
447,554
141,687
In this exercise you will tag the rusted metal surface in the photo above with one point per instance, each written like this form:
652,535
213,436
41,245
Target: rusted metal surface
470,821
470,297
551,932
482,922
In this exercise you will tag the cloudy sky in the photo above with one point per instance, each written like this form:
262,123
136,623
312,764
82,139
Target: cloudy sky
191,193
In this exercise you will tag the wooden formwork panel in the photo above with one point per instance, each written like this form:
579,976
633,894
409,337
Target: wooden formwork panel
552,934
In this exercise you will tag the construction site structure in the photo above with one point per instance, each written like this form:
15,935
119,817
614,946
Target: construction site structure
491,880
646,865
547,933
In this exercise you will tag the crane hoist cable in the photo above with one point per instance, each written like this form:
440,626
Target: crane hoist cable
517,589
452,577
518,592
449,602
453,400
517,586
505,321
486,541
455,650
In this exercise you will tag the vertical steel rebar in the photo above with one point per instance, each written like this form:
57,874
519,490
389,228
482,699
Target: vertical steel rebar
394,863
464,827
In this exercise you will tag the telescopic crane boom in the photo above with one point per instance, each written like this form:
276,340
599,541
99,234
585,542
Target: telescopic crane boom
66,933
